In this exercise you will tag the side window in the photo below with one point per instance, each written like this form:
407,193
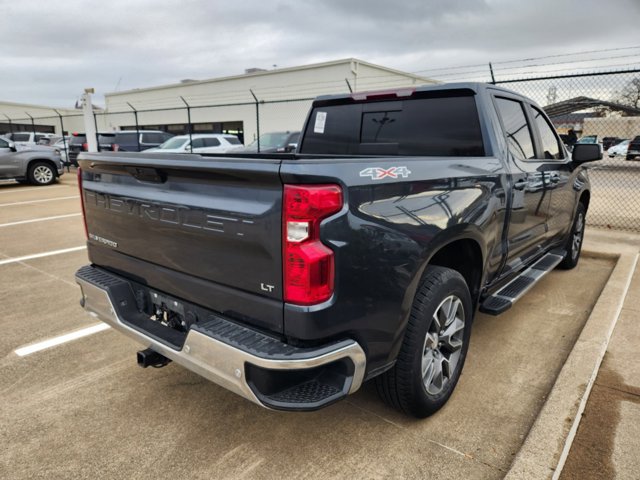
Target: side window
197,143
211,142
516,128
152,138
550,144
4,143
21,137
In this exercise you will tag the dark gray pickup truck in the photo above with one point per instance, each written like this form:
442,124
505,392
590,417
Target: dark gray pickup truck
291,279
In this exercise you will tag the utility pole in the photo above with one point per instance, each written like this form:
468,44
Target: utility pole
190,126
135,114
89,120
257,119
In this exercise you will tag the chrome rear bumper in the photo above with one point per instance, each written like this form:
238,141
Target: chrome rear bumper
222,363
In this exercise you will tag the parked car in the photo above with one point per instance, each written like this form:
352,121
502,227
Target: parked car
274,142
132,141
619,149
28,138
77,143
115,141
588,139
365,255
63,146
608,142
201,143
633,151
38,165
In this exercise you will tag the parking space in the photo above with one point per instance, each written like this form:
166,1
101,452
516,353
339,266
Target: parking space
83,409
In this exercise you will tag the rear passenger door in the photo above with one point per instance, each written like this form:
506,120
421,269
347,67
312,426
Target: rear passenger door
558,170
530,196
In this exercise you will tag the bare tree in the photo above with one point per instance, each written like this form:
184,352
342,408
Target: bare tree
630,94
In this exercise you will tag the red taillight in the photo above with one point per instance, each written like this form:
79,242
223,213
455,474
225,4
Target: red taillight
308,264
85,147
84,216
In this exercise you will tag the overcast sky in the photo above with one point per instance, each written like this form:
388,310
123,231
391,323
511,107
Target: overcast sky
52,49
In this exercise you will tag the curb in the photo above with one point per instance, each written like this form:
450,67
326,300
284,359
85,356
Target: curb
549,441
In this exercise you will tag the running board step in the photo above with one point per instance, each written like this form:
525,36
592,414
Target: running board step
513,291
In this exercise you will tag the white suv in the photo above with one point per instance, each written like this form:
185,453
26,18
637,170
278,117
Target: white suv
25,139
202,143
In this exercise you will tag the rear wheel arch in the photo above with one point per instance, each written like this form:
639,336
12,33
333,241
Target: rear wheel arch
464,255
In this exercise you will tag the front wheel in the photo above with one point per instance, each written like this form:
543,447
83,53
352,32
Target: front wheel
574,243
41,173
434,347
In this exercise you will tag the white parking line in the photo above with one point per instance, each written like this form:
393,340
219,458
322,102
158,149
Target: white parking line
31,189
43,219
40,255
52,342
37,201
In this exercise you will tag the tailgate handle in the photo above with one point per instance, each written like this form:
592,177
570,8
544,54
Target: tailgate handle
145,174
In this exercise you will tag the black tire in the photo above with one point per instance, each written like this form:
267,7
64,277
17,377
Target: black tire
403,387
574,242
41,173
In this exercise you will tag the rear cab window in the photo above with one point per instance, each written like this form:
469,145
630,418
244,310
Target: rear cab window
441,123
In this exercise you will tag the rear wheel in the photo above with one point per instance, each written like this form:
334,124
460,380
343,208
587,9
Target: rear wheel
434,347
574,243
41,173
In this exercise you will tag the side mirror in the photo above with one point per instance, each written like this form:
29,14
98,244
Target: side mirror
292,147
586,152
12,147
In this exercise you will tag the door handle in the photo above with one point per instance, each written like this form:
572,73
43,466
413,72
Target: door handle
520,185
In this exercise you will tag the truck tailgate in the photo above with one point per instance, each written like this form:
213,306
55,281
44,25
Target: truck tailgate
204,229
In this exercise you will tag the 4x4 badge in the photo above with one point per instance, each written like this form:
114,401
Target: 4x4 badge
378,173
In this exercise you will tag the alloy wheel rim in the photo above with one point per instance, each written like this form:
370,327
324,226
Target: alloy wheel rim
577,236
43,174
443,345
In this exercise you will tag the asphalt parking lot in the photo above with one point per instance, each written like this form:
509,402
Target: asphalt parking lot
83,409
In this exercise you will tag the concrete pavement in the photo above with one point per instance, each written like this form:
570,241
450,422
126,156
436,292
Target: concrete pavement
607,444
83,409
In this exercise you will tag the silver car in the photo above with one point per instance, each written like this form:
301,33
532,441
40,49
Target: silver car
34,164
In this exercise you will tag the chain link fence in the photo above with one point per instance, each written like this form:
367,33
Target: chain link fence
598,108
602,108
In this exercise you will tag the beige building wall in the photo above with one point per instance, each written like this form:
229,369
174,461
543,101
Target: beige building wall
298,83
19,113
622,127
